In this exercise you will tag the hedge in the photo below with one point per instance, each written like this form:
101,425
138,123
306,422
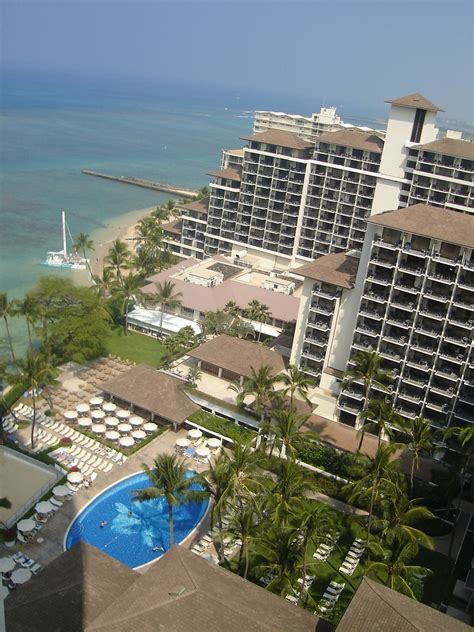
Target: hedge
222,426
327,458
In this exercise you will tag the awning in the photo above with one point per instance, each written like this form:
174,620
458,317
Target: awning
150,319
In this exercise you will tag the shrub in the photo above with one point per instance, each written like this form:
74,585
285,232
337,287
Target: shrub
222,426
9,535
327,458
66,441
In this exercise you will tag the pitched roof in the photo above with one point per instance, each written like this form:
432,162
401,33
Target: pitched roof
229,174
237,355
338,269
376,607
356,140
280,138
430,221
200,206
69,593
236,152
450,147
153,391
174,227
415,100
183,591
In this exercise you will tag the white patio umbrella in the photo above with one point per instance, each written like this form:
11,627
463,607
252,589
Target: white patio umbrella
139,435
135,420
111,422
96,401
150,427
97,414
195,433
213,442
123,414
203,451
26,525
70,415
112,435
82,408
109,407
124,428
99,428
85,422
182,442
127,442
44,507
61,491
6,564
75,477
21,575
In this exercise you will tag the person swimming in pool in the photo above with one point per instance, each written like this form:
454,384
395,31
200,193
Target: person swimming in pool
157,548
102,524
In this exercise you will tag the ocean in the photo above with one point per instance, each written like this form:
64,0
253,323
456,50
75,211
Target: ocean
51,128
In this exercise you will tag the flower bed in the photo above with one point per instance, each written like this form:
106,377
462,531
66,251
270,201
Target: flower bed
222,426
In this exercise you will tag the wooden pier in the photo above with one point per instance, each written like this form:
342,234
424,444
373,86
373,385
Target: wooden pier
146,184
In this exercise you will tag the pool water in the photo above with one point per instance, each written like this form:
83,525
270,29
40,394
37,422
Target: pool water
133,528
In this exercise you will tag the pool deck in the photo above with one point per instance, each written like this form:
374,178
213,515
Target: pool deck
54,531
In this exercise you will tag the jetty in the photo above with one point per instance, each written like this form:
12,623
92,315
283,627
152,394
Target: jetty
146,184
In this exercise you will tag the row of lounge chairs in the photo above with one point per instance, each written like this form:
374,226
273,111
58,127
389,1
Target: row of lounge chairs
330,597
352,559
325,549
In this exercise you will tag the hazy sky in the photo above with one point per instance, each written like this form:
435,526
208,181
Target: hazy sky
358,51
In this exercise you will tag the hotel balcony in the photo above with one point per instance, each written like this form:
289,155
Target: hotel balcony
430,312
394,338
442,389
318,357
386,262
353,393
380,279
372,295
425,330
465,414
386,244
447,372
419,363
371,313
321,325
415,380
396,318
367,329
440,407
410,396
399,301
406,412
348,406
316,306
390,354
452,355
316,340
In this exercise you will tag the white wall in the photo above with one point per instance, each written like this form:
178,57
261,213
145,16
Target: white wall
301,320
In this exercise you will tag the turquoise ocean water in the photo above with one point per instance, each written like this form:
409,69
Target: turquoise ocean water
51,129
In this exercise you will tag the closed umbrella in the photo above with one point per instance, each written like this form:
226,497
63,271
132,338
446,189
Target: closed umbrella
97,414
75,477
26,525
82,408
135,420
112,435
109,407
124,428
85,422
111,422
96,401
213,442
21,575
150,427
44,507
70,415
182,442
60,491
123,414
203,451
139,435
99,428
126,442
195,433
6,564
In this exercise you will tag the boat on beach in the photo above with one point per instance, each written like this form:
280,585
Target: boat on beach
61,258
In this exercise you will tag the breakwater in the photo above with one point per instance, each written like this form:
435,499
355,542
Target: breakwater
146,184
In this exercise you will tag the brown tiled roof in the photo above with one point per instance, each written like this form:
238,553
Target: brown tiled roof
375,607
356,140
236,152
450,147
200,206
430,221
153,391
415,100
174,227
279,138
229,174
237,355
338,269
183,592
340,435
69,593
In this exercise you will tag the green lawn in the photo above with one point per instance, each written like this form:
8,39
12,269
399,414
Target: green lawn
134,347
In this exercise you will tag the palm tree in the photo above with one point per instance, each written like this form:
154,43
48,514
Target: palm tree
420,440
232,308
281,550
103,285
165,298
261,384
38,371
396,568
118,258
168,478
259,312
367,369
30,309
241,465
296,382
216,482
378,478
5,308
84,243
243,526
130,289
398,515
380,415
291,485
285,430
194,374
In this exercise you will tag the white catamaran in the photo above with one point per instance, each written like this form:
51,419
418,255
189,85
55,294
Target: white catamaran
62,259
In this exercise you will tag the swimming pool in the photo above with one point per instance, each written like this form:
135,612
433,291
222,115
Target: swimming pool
133,528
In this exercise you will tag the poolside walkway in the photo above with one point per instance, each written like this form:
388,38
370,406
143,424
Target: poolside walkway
54,530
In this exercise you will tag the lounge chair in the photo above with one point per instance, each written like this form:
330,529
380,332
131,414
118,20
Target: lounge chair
35,568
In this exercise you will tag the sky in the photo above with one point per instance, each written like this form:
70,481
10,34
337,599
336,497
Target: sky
343,51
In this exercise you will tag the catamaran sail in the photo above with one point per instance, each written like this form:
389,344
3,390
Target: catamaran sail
60,258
